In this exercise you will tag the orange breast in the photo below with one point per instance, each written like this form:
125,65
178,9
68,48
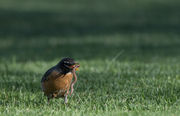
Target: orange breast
57,85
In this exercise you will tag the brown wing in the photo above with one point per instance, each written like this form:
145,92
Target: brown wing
51,73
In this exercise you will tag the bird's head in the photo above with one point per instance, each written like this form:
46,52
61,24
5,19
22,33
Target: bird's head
68,64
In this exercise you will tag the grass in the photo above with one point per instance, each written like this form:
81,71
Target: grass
144,79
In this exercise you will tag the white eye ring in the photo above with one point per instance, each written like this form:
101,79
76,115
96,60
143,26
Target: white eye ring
66,62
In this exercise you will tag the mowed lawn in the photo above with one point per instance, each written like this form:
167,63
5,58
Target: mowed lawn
129,52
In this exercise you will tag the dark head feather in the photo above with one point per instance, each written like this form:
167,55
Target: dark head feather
65,63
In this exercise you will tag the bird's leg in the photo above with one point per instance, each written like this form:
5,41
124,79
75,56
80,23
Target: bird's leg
50,97
48,100
75,79
65,96
65,99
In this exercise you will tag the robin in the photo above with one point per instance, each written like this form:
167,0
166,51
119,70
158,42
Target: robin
57,81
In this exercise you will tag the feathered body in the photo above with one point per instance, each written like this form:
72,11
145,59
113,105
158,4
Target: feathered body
56,82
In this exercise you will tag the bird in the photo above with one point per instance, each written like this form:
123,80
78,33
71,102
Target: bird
57,81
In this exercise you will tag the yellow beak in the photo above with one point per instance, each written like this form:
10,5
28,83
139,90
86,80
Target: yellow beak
77,69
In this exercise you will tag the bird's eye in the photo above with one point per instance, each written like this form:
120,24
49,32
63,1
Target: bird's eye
66,62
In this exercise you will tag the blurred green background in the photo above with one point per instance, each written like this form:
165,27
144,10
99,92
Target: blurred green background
96,29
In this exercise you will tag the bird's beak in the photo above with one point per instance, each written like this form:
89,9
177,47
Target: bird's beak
77,66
